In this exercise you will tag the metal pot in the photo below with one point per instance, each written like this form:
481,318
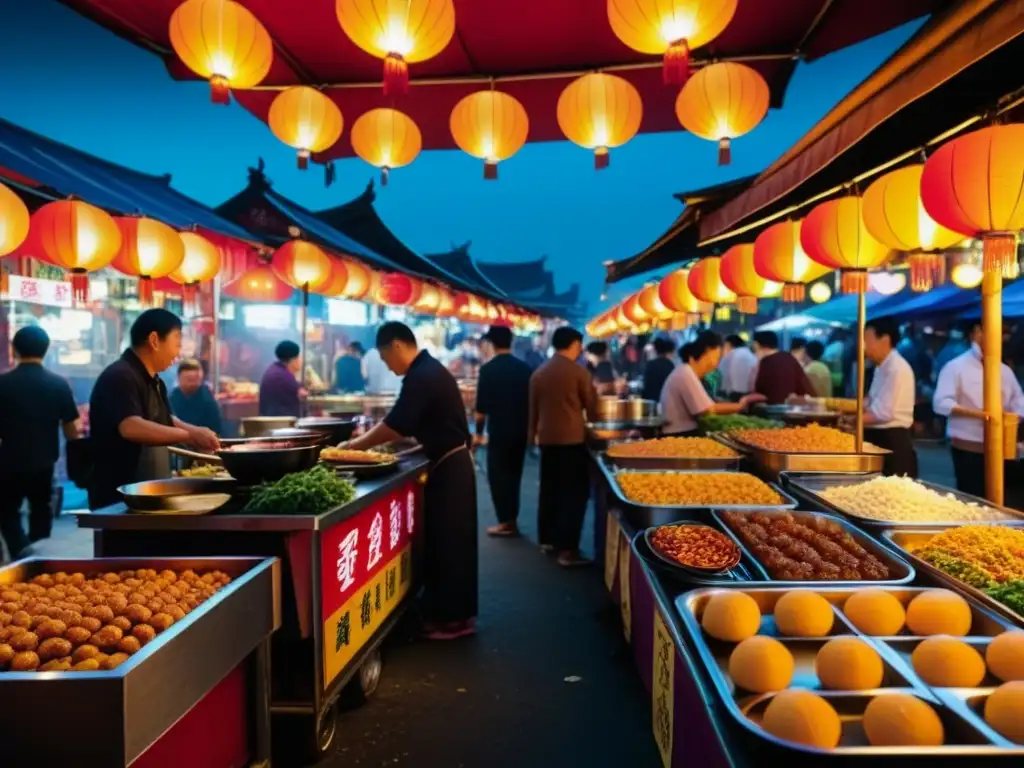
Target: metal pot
640,410
334,430
262,426
610,409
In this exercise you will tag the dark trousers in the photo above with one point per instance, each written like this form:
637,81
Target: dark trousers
15,487
903,459
564,492
969,468
505,474
450,547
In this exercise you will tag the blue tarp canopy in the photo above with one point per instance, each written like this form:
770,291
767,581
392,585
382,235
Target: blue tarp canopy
842,309
68,171
1013,302
907,303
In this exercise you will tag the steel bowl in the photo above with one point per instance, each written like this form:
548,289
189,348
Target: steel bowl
333,430
252,467
262,426
639,410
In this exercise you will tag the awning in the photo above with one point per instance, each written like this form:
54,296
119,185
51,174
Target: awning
907,302
841,309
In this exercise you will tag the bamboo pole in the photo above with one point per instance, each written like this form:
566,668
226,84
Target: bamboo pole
862,318
992,358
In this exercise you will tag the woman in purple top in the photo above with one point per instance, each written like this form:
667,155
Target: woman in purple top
280,391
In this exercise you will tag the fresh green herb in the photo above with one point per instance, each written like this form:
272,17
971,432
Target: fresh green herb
715,422
1010,594
956,567
302,493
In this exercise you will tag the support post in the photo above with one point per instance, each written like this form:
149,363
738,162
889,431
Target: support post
304,322
862,318
992,358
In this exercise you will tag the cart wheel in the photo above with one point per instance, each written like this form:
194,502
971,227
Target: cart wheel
326,729
369,674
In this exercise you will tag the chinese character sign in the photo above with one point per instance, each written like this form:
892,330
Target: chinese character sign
663,689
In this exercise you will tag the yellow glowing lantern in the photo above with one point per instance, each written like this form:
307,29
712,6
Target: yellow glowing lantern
599,111
446,303
200,263
652,304
14,220
305,119
779,256
399,31
739,276
671,28
674,292
302,265
820,293
722,102
834,235
633,311
705,282
223,42
386,139
149,250
429,299
78,237
490,125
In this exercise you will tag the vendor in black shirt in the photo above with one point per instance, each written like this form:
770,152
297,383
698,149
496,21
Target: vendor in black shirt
503,408
600,367
34,404
130,419
430,409
659,369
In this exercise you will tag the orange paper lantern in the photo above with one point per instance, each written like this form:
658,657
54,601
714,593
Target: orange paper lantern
358,283
398,290
490,125
149,250
622,321
14,220
259,284
302,265
705,281
338,281
399,31
740,277
674,292
386,139
834,235
429,299
599,111
972,185
652,304
78,237
223,42
200,263
721,102
305,119
779,256
636,314
445,303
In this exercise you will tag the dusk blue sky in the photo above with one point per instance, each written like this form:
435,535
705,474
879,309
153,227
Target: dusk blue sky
69,79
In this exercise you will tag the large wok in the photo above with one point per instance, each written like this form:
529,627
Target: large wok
334,430
179,495
259,466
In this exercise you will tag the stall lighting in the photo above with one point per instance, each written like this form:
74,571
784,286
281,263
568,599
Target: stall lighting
820,293
887,283
966,275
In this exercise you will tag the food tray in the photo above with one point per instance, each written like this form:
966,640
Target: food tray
112,717
747,573
884,553
965,735
615,463
905,539
673,563
773,463
809,486
970,704
797,414
788,502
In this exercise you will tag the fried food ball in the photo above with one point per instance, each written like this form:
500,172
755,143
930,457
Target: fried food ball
114,660
6,654
44,580
10,608
155,605
25,641
25,661
174,592
123,623
84,652
101,612
168,575
188,575
37,620
129,644
51,628
107,638
86,665
137,613
6,633
91,623
10,595
111,578
78,635
56,665
126,575
161,621
175,612
117,603
77,579
70,617
5,618
21,619
137,598
143,633
54,648
53,611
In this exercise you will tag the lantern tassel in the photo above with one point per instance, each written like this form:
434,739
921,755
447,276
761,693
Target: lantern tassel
145,290
79,285
602,158
793,293
855,281
303,159
724,151
384,172
189,292
675,66
747,304
926,269
219,91
396,75
998,250
490,170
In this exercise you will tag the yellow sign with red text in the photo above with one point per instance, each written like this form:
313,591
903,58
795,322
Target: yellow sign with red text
663,689
350,627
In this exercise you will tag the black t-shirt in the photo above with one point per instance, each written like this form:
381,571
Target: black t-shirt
33,405
123,390
430,408
655,373
503,396
604,373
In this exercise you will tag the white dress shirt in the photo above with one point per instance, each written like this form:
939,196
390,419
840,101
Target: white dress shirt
737,370
379,378
683,399
960,383
892,393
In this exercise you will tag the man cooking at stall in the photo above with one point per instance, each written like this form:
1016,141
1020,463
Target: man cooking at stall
430,408
889,407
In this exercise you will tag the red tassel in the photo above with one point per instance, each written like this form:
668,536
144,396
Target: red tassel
490,170
396,75
303,158
675,66
793,293
926,269
145,291
219,91
602,158
79,286
855,281
724,152
747,304
189,292
384,171
998,250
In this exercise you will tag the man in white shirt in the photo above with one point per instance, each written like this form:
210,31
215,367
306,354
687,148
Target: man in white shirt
737,368
889,407
378,377
959,390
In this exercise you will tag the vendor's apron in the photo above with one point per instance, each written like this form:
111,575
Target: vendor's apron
154,460
450,526
899,440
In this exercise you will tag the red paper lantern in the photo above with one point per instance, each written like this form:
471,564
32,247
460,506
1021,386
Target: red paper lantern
78,237
674,292
149,249
705,282
834,235
259,284
338,281
398,290
302,265
201,263
779,256
739,276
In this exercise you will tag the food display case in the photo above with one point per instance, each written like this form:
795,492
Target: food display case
699,453
771,464
797,414
210,666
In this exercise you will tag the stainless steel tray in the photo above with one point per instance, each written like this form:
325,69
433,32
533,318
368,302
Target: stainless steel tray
109,718
796,414
773,463
970,704
615,463
884,553
905,540
747,573
964,736
788,501
810,486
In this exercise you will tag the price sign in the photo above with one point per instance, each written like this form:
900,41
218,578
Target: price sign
624,597
663,689
611,550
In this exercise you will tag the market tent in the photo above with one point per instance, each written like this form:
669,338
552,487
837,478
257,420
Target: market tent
530,48
841,309
907,303
1013,302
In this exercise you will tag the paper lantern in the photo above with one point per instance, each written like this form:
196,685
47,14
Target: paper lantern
671,28
622,322
599,111
973,185
674,292
721,102
834,235
14,220
779,256
429,299
200,263
149,250
305,119
739,276
652,304
338,280
260,285
820,293
398,290
223,42
490,125
358,279
446,303
705,281
302,265
469,308
386,139
78,237
399,31
635,313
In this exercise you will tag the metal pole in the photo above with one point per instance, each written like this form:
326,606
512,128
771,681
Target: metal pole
992,329
861,320
304,313
215,337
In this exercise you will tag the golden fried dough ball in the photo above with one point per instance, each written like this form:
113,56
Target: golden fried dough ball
129,644
54,648
137,598
84,652
51,628
155,605
6,633
5,618
25,661
117,603
10,595
111,578
44,580
56,665
25,641
175,612
70,617
126,575
137,614
52,612
161,621
37,619
140,574
168,575
6,654
188,575
107,638
60,577
123,623
114,660
11,608
101,612
21,619
76,579
91,623
55,593
78,635
174,592
143,633
86,665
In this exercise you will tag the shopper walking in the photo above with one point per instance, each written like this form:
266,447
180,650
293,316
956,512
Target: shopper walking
561,395
502,411
889,408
